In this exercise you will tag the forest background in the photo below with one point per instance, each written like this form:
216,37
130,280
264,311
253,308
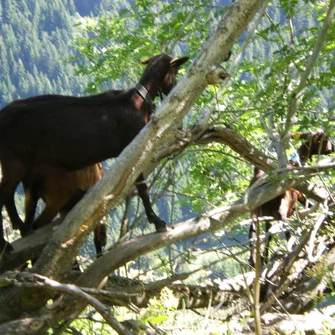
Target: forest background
83,47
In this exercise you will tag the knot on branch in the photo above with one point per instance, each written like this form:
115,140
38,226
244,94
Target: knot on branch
217,76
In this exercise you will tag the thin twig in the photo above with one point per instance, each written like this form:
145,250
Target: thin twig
180,32
297,93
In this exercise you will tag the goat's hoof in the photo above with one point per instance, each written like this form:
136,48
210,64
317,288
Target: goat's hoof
162,229
160,226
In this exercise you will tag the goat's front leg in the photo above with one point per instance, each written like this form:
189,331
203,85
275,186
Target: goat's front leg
143,192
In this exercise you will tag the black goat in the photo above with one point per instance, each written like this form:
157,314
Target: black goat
71,133
284,205
58,188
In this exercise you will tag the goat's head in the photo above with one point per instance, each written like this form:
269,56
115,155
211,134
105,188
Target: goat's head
170,78
317,143
258,173
320,143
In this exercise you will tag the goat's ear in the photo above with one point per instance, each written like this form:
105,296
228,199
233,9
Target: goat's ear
296,136
144,60
308,135
178,61
301,136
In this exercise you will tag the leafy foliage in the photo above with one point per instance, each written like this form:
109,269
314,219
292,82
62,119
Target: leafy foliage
115,44
259,96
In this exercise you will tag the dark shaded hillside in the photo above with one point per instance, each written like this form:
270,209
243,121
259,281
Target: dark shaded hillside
35,41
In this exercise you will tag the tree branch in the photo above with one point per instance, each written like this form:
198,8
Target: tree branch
117,182
201,134
29,280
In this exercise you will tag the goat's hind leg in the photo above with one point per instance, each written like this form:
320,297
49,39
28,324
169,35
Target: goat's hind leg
268,239
143,192
252,242
31,196
12,173
55,206
46,217
14,217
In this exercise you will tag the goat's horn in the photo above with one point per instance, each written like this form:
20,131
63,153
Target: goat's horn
144,60
178,61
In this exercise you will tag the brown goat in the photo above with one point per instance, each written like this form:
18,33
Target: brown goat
284,205
61,190
71,133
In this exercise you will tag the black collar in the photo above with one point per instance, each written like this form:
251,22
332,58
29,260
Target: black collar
143,92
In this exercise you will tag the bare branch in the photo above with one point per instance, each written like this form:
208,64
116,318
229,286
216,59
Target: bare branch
181,30
25,279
